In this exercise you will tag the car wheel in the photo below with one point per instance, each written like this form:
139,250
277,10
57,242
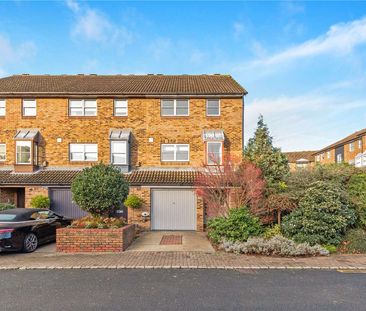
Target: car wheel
30,243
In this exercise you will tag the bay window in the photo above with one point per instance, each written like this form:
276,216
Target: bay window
119,152
24,152
214,153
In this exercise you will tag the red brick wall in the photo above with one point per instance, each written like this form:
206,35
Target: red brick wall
70,240
8,195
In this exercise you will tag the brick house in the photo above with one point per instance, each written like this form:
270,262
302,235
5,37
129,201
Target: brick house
300,159
158,129
351,149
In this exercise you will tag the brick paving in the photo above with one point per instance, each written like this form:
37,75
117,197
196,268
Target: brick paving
189,260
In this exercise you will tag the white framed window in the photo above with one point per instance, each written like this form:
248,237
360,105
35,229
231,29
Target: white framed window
322,156
328,154
2,107
120,107
339,158
83,107
174,107
351,147
29,107
2,152
118,152
214,153
83,152
24,152
175,152
359,144
213,107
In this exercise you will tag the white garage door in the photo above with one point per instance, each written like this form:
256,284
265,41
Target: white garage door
173,209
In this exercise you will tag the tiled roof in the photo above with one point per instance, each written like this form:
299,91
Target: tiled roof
349,138
292,157
147,85
65,177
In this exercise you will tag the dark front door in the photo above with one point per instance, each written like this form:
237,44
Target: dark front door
21,198
62,204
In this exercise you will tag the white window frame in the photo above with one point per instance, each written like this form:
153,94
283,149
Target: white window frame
207,155
359,144
116,101
339,158
175,152
175,107
24,143
83,152
24,109
213,115
328,154
83,108
112,153
2,107
3,145
351,147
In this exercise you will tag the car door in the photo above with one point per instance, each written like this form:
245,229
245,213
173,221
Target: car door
46,228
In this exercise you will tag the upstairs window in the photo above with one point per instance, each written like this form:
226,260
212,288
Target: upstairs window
2,152
359,144
82,107
214,153
174,107
29,108
83,152
351,147
328,154
24,152
120,108
2,107
175,152
213,107
119,152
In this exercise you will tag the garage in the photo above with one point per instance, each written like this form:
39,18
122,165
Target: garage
61,203
173,209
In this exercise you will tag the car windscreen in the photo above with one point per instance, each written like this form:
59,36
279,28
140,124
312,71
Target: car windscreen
7,217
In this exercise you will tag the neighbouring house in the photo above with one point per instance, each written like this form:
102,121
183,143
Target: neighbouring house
300,159
351,149
158,129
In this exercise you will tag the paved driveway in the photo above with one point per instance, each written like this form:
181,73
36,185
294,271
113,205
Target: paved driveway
191,242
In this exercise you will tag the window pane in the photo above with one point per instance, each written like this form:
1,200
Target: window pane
28,103
91,156
2,111
31,112
119,158
91,148
76,111
182,153
182,107
76,148
76,103
167,152
90,112
2,107
120,112
214,153
167,107
23,152
77,156
90,103
213,107
2,152
119,147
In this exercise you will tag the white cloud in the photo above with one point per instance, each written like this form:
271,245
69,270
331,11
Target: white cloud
11,53
160,48
309,121
341,39
92,25
238,29
73,5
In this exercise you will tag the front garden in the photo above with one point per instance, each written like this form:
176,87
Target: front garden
256,206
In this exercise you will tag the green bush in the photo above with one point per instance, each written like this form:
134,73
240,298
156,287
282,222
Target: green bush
5,206
323,216
330,248
40,201
239,225
357,191
354,242
99,190
133,201
270,232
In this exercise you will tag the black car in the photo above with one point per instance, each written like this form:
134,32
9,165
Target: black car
23,229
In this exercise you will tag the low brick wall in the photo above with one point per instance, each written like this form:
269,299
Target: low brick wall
71,240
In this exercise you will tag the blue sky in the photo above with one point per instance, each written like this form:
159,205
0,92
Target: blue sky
303,63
